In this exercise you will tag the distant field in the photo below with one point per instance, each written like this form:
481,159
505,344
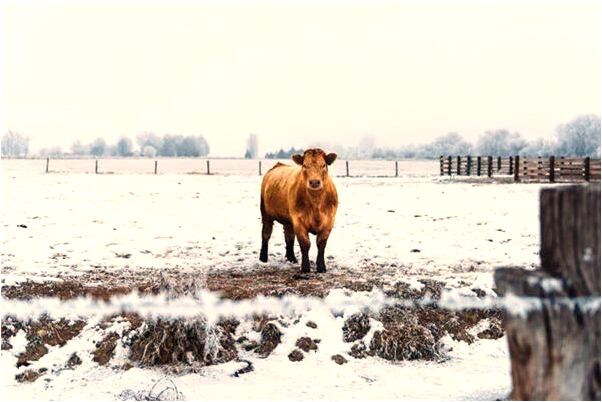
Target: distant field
241,167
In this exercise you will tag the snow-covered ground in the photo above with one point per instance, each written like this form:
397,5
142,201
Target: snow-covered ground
416,226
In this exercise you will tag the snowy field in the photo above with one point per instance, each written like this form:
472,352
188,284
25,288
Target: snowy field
123,229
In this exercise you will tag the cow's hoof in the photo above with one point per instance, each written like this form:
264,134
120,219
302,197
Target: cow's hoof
321,270
305,270
263,257
292,259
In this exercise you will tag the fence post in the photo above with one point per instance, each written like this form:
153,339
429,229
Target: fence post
516,168
449,165
468,165
155,167
552,169
208,168
96,167
440,165
260,168
489,166
478,165
458,164
510,166
499,163
47,163
347,167
396,169
586,169
555,344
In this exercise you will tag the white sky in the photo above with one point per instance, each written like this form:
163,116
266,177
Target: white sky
295,73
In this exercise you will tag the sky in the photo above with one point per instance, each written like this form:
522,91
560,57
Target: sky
295,73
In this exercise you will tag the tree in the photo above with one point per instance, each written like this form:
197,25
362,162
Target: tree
14,144
579,137
98,147
149,138
77,148
500,143
449,144
149,151
169,145
252,147
53,152
124,147
193,146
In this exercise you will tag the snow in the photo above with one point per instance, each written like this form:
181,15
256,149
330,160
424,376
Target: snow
414,227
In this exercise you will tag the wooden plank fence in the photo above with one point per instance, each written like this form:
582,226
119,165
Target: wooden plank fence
551,169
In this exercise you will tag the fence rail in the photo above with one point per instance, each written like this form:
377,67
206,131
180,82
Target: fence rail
554,169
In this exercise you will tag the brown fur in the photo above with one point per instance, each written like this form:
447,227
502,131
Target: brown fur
304,200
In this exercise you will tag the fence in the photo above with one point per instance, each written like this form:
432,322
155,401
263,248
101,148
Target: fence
218,166
553,169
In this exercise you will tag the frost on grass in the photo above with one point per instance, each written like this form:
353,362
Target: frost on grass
162,390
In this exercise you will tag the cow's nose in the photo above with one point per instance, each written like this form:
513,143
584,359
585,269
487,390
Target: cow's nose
314,183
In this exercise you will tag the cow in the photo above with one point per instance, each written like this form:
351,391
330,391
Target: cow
304,200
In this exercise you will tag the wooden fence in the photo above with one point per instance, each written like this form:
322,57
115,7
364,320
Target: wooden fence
552,169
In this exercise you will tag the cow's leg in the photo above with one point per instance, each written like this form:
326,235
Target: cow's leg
303,239
289,238
266,232
321,240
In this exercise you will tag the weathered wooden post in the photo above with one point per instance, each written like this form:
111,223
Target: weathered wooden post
47,164
552,167
553,322
260,168
489,166
478,165
499,163
468,165
396,169
510,166
586,169
155,167
458,165
208,167
96,167
517,168
347,168
449,165
441,165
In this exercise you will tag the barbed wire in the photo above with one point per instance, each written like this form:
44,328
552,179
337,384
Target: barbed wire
213,308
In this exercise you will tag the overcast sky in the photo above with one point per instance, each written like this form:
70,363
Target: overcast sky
295,73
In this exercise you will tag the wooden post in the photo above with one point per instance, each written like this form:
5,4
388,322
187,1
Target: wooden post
96,167
554,339
458,164
347,167
489,166
517,168
208,168
478,165
260,168
586,169
396,169
47,164
510,165
441,165
449,165
468,165
499,163
155,167
552,167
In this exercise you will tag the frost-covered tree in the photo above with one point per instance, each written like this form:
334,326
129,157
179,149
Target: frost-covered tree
252,147
124,147
53,152
537,147
449,144
14,144
77,148
149,151
579,137
500,143
98,147
148,138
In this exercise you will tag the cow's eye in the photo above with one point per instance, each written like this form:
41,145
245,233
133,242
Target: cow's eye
324,166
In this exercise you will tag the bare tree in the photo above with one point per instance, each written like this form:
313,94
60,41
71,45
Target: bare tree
98,147
579,137
124,147
14,144
252,146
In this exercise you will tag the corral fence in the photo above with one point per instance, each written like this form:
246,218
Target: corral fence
553,169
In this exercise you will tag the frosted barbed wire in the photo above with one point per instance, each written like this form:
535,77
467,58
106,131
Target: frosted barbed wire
209,305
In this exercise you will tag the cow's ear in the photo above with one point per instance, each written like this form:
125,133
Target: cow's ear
298,159
330,158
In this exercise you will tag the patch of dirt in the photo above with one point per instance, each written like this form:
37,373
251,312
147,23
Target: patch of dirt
306,344
356,327
338,359
187,342
63,290
10,327
295,356
73,361
105,349
311,324
46,332
495,330
30,375
405,342
359,350
270,339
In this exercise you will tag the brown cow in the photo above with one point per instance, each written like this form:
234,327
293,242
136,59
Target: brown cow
304,200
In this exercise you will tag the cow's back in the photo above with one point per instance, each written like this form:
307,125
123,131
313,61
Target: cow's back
275,188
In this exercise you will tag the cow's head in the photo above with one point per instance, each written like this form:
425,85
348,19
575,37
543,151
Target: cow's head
314,167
